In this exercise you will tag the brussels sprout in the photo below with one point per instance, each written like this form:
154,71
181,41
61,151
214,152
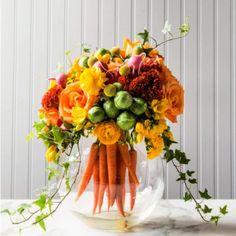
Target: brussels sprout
139,106
123,100
124,70
96,114
126,120
110,90
83,62
91,61
118,86
110,109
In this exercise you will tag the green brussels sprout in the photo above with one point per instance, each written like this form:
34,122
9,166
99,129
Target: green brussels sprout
96,114
110,109
126,120
123,100
139,106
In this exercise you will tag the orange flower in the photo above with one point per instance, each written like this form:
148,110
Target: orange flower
52,117
71,96
174,92
51,98
107,132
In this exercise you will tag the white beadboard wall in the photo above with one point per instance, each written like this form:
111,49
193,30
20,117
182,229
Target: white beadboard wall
35,36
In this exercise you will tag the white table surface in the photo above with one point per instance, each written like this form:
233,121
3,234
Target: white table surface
171,217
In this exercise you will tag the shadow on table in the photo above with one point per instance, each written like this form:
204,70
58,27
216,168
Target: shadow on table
185,226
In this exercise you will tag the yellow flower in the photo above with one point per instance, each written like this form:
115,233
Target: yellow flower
92,80
78,116
159,106
107,132
105,58
139,128
51,153
52,84
157,148
169,135
75,71
139,138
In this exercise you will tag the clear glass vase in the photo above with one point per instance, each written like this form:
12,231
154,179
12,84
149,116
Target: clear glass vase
148,193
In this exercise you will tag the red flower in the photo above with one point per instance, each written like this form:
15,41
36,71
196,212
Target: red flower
51,98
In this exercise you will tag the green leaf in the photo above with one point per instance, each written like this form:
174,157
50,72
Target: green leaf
66,165
223,210
40,221
29,136
192,181
206,209
57,135
49,203
169,155
144,36
187,196
204,194
7,211
182,176
23,207
41,202
86,49
67,183
68,52
53,173
189,173
184,29
181,157
39,126
215,219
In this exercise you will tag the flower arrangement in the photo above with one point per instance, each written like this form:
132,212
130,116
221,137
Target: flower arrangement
121,96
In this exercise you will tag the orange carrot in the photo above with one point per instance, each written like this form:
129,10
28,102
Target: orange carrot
95,184
132,185
124,152
103,174
88,169
120,187
111,164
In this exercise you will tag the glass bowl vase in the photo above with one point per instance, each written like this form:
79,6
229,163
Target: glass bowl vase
148,193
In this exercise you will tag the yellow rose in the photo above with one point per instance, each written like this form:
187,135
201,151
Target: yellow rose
51,153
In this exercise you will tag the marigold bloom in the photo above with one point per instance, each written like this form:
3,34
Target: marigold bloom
107,132
51,98
157,148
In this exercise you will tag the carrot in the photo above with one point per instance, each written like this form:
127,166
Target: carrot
120,187
95,184
111,164
124,152
132,185
103,174
88,169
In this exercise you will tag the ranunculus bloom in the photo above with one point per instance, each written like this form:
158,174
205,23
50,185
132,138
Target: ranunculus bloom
52,117
174,92
107,132
71,96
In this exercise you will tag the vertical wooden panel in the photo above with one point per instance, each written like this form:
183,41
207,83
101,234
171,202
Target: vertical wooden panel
74,27
157,21
223,99
140,16
108,23
91,26
233,95
124,11
22,98
174,63
57,34
191,77
206,76
39,85
7,96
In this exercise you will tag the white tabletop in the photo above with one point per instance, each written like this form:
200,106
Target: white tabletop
172,217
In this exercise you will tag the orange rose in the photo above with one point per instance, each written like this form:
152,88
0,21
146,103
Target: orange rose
52,117
71,96
174,92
